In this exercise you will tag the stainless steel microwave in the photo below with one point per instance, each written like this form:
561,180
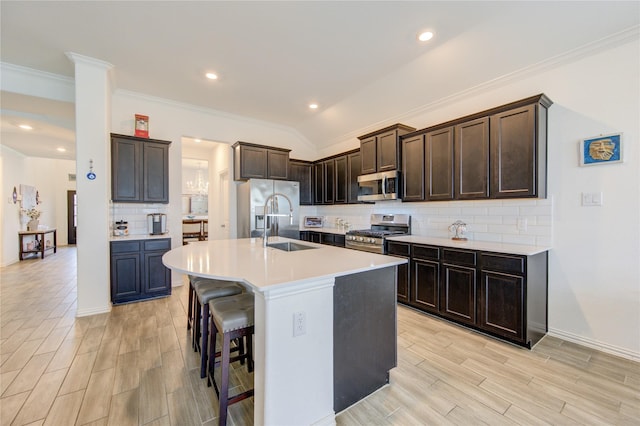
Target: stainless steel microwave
379,186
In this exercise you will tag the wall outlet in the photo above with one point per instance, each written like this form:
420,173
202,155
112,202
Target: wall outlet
299,324
522,224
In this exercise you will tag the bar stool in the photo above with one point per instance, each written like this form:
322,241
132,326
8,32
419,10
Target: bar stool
205,291
232,317
192,280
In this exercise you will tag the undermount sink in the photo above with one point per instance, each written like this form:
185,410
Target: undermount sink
289,246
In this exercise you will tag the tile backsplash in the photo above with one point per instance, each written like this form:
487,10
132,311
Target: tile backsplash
518,221
135,215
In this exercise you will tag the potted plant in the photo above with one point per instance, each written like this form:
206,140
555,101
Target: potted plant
33,214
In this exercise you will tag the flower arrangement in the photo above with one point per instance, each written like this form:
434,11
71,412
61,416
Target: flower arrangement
32,213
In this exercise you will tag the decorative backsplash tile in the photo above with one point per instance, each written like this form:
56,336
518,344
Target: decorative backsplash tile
521,221
135,215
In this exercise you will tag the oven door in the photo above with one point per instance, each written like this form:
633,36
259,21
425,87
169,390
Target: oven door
378,186
362,246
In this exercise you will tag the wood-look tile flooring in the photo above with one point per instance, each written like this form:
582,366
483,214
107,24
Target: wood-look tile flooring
135,366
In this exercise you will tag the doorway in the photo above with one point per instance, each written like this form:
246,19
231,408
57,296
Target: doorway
72,216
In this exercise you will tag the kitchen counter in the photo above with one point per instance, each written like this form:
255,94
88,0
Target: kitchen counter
137,237
338,231
520,249
294,376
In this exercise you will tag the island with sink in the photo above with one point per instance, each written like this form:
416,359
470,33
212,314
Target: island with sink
348,301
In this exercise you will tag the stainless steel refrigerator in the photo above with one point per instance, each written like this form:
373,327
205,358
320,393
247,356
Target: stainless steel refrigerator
279,196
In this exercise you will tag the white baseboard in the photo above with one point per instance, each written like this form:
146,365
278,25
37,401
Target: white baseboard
93,311
329,420
603,347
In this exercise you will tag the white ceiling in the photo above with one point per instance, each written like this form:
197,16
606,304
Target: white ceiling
359,60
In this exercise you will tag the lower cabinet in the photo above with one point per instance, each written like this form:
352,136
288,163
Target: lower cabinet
501,294
337,240
137,272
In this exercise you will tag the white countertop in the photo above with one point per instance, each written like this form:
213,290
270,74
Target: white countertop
520,249
267,268
137,237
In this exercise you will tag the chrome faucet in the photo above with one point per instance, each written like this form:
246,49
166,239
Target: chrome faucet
274,213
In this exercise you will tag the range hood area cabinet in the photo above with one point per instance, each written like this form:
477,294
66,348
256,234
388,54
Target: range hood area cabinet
251,161
380,150
498,153
139,169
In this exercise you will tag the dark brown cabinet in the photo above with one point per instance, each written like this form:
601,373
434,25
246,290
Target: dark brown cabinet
380,150
354,167
326,238
518,152
458,297
341,180
425,278
504,295
439,164
139,170
498,153
472,159
253,161
402,273
413,168
137,271
302,171
324,182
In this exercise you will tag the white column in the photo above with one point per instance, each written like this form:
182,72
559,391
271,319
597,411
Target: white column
93,118
293,377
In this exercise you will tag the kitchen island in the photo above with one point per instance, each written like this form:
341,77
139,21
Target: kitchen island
347,300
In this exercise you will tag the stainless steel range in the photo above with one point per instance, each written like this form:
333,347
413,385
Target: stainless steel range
382,226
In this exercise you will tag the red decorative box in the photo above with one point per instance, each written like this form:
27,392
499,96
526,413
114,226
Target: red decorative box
142,126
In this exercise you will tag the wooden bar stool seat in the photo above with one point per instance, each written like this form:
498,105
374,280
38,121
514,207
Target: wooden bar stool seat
233,318
205,291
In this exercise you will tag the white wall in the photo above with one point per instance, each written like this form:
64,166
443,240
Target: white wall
13,168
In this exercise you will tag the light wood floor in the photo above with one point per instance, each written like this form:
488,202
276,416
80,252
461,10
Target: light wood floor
135,366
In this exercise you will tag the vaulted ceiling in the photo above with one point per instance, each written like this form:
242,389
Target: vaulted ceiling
359,60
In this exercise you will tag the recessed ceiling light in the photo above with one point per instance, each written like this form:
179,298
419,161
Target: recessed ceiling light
197,140
313,106
211,76
25,127
424,36
61,149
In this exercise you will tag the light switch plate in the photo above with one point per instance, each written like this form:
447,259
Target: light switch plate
592,198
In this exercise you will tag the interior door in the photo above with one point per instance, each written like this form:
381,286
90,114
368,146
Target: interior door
72,216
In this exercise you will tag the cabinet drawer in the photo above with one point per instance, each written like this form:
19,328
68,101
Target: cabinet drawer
502,262
425,252
463,257
125,246
153,245
398,249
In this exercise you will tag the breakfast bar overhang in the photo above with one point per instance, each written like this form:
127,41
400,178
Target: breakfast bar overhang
348,301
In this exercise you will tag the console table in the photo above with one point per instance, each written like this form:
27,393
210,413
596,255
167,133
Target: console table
40,243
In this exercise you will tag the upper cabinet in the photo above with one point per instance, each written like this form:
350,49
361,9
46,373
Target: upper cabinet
259,162
380,150
301,171
139,169
498,153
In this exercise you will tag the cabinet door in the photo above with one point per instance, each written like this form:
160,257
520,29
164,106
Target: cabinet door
458,293
156,173
125,277
472,159
387,149
502,304
253,162
438,164
403,283
341,180
368,153
277,164
329,182
513,153
157,278
314,237
126,171
302,172
354,166
413,168
425,285
318,183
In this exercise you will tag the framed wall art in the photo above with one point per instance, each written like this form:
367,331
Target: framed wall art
603,149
